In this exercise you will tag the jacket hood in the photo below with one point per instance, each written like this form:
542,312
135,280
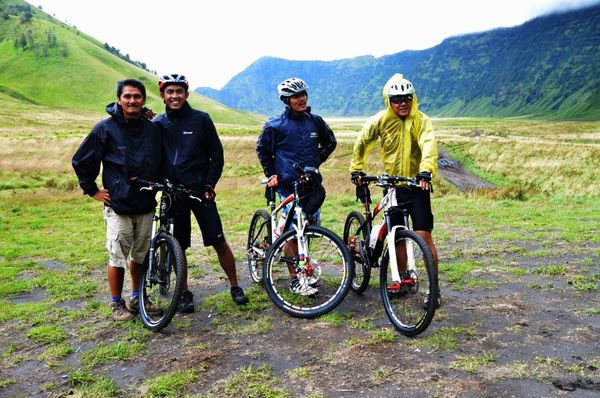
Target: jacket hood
386,99
114,110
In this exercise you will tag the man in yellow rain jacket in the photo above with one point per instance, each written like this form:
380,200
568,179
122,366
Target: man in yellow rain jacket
408,149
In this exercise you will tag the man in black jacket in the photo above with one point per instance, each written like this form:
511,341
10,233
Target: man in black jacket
126,145
193,157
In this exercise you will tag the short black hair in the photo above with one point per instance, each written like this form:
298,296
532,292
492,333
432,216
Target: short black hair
130,82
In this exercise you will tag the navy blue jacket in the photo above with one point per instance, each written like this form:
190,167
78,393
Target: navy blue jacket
125,149
291,138
192,150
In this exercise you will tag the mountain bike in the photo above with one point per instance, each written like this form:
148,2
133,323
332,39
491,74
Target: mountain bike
407,276
165,271
307,270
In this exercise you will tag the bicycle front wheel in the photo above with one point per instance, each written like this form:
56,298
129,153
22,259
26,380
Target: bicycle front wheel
322,281
356,239
409,302
259,240
161,283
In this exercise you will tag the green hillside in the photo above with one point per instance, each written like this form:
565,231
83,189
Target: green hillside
46,62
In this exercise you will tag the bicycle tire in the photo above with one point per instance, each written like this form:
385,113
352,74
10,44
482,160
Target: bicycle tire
159,298
259,240
351,237
333,272
405,308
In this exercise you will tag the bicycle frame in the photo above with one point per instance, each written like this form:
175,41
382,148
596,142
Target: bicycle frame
388,202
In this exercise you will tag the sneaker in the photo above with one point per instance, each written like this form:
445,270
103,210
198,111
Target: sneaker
186,302
427,299
120,312
133,306
302,287
237,294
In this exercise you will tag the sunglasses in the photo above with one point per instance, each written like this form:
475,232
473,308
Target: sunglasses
398,99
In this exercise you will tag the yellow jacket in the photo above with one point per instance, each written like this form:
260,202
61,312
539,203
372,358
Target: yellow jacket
407,146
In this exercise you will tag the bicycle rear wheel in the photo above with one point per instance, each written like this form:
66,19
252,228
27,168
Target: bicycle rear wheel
327,273
404,300
160,287
259,240
356,240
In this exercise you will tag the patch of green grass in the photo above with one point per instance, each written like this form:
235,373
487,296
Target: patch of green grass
6,382
55,352
47,334
362,324
336,318
250,381
88,385
587,283
380,376
107,353
226,307
171,384
383,335
442,339
551,270
472,364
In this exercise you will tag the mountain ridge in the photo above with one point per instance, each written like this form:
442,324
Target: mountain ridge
547,67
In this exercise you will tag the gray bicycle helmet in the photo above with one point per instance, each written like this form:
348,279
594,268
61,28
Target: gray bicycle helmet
174,78
291,87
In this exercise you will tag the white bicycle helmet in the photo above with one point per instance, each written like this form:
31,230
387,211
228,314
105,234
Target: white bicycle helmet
401,87
290,87
174,78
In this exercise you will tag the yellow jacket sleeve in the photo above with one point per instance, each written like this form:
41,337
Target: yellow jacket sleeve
364,143
428,145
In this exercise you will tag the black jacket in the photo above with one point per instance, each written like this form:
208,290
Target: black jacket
125,149
192,150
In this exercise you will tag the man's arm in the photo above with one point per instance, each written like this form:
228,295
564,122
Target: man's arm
87,160
216,157
428,145
265,151
368,136
327,141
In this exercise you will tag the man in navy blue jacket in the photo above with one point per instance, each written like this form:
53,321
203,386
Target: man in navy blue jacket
297,136
126,145
193,157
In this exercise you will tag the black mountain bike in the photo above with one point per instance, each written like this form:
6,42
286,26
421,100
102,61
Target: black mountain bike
164,267
407,276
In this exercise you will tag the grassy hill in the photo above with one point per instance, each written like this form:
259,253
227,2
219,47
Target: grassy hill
45,62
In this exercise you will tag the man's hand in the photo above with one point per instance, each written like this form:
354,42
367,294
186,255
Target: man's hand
356,177
148,113
102,196
424,180
209,192
273,181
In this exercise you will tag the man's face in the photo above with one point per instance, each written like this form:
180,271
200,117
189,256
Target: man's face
132,101
174,96
401,105
299,102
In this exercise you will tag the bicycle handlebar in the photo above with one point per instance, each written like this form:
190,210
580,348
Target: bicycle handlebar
166,186
385,180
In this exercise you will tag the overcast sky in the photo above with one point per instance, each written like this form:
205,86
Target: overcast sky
212,41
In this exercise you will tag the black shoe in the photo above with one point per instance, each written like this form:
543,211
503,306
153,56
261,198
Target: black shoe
186,302
237,294
427,300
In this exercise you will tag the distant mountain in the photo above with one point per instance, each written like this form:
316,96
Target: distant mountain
46,62
547,67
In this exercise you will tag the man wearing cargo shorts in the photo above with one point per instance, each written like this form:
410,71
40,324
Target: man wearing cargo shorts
125,145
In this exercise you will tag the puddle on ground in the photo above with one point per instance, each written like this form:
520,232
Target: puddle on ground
35,295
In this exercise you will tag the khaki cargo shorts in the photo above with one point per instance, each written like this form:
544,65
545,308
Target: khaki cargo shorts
127,235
